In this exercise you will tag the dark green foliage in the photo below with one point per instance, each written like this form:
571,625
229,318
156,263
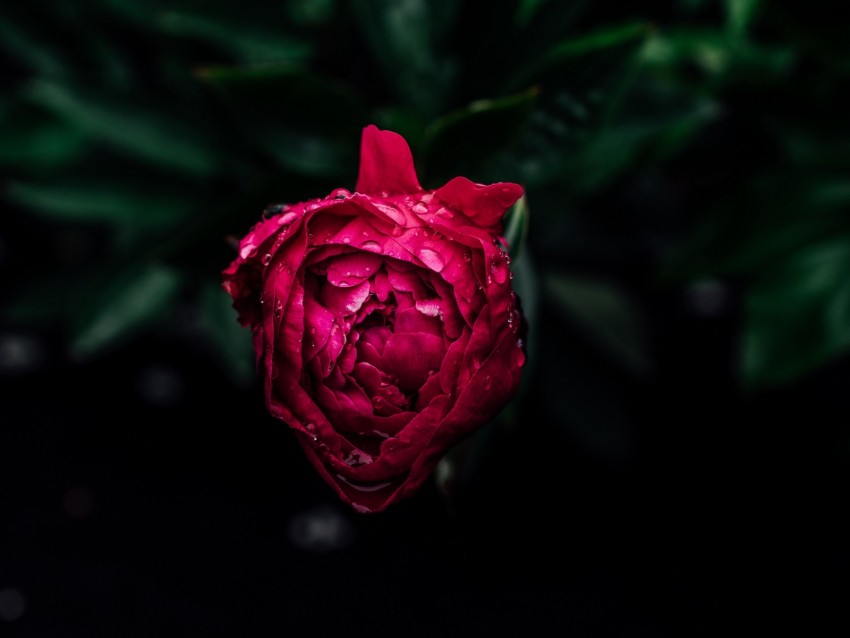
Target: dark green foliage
659,147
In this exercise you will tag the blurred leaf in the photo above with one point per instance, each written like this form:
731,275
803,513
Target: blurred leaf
39,56
773,216
231,343
460,140
589,160
526,10
584,61
740,14
147,133
526,285
250,44
516,227
130,301
606,315
93,202
34,140
798,314
406,39
675,54
309,123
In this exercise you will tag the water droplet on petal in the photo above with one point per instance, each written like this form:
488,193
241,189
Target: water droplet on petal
392,212
313,330
267,258
278,309
499,270
488,382
419,208
287,218
339,193
246,251
346,240
519,358
445,212
432,259
467,257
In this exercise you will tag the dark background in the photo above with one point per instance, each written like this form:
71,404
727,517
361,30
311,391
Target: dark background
678,459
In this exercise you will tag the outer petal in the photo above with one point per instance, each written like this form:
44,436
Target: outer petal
484,205
386,164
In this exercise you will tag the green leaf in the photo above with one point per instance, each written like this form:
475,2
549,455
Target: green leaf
458,142
148,134
230,343
407,40
739,15
516,227
606,315
39,56
34,140
309,123
130,301
584,61
775,214
526,285
92,202
249,44
797,314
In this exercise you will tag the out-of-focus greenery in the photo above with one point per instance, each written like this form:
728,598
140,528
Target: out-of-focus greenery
697,145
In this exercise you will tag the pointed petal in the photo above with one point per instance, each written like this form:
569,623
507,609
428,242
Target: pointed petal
484,205
386,164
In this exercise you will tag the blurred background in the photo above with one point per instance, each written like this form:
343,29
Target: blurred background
678,459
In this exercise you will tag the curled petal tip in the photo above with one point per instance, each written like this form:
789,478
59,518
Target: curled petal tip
484,204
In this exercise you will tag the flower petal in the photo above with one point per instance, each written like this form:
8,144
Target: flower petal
411,357
386,164
483,204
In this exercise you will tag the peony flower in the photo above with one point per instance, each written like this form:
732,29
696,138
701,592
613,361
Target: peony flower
384,322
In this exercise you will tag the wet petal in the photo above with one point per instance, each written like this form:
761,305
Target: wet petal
380,285
354,264
483,204
410,357
344,301
386,164
412,320
318,323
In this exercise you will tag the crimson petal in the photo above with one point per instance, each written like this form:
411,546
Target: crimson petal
386,164
484,205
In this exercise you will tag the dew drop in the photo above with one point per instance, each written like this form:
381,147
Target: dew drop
267,258
467,257
346,240
431,259
392,212
499,270
445,212
247,250
419,208
278,309
340,193
313,330
488,382
287,218
519,357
